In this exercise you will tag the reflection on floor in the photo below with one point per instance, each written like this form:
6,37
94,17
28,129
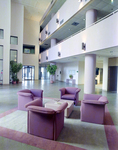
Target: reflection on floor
83,135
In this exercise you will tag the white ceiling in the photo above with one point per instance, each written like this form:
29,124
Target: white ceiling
34,9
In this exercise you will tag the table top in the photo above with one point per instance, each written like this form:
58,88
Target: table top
56,102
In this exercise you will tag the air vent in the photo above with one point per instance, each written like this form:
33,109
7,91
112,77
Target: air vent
75,23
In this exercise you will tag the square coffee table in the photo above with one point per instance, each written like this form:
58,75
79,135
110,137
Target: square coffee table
53,104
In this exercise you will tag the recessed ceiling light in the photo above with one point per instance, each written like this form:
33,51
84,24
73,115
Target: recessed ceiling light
111,1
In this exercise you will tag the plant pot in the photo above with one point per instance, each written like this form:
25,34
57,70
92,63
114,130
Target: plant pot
13,82
17,82
51,81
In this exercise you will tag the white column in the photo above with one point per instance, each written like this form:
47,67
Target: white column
5,24
91,17
90,66
53,42
105,74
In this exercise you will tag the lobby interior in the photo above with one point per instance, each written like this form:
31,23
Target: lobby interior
90,35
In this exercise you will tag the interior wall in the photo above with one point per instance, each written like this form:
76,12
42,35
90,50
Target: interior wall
17,24
70,68
5,24
81,67
31,36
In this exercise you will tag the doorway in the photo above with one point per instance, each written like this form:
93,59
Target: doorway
28,72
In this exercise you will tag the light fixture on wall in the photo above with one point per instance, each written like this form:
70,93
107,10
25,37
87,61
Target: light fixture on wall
46,57
59,54
57,20
83,46
46,32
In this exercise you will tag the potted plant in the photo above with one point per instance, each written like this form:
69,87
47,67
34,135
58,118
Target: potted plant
51,69
15,68
71,76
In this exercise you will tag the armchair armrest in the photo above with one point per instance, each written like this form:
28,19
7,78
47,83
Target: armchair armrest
62,107
93,102
62,90
42,110
37,102
78,90
25,94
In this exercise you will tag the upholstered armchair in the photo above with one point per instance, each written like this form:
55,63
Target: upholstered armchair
93,108
70,93
25,96
45,122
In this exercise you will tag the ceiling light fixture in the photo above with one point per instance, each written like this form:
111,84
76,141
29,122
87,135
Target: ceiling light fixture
57,20
59,54
83,46
79,1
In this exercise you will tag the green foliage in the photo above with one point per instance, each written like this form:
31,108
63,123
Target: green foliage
15,68
71,76
51,69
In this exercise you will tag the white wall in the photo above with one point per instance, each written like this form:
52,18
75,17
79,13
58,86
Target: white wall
17,24
81,67
5,23
69,68
31,36
95,40
64,13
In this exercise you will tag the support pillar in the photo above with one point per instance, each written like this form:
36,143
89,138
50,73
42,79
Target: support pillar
105,74
91,17
53,42
90,66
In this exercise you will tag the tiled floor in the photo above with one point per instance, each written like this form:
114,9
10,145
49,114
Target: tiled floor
8,100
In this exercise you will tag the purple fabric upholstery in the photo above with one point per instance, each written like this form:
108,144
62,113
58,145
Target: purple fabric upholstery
45,122
25,96
93,108
70,93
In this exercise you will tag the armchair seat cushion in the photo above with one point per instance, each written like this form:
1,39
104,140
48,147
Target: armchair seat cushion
68,96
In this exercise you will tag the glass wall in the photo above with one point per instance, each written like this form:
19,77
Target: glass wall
1,64
28,72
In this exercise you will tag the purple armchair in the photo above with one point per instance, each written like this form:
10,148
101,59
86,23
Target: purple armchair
93,108
70,93
25,96
45,122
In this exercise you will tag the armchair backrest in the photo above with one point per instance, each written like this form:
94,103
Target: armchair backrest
25,91
37,92
41,110
70,90
91,97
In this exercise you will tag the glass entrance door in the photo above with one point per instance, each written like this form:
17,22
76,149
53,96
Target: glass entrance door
28,72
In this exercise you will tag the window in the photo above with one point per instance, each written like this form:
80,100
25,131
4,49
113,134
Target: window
14,40
28,49
13,55
1,34
1,64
